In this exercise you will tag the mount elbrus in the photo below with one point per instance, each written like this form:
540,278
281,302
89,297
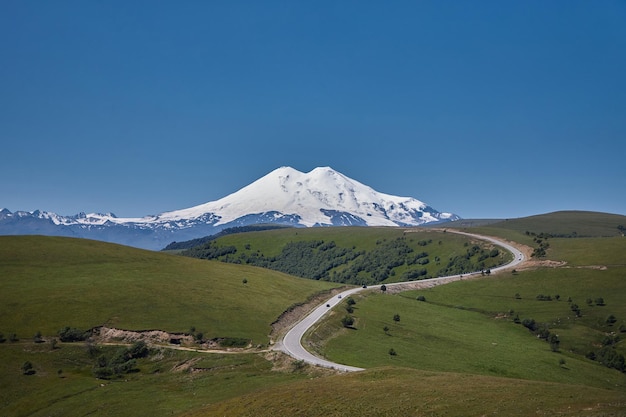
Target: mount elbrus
322,197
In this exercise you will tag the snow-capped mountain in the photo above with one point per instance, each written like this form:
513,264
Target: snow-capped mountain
322,197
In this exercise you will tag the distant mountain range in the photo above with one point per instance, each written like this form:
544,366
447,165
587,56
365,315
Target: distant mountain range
322,197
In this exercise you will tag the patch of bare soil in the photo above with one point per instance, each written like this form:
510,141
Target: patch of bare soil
152,337
183,341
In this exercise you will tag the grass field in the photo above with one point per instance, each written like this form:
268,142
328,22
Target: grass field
48,283
393,391
458,353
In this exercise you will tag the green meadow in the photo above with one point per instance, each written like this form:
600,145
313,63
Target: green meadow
49,283
458,349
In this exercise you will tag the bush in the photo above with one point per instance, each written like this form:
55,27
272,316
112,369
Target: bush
347,321
138,350
72,334
27,368
530,324
421,298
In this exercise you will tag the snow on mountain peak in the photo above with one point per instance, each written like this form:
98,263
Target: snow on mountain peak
321,197
313,197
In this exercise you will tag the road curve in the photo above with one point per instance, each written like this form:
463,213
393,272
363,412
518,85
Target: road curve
291,344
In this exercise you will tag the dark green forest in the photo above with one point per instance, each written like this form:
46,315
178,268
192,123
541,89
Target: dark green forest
391,260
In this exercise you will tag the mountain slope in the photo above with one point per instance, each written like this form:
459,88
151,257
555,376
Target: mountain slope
322,197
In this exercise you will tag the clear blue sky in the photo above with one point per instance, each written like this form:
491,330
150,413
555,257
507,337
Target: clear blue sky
482,108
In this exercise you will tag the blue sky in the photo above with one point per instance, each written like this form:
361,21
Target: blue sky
487,109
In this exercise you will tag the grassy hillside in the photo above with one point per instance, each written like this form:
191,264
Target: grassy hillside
486,316
568,223
401,392
457,353
571,224
48,283
356,255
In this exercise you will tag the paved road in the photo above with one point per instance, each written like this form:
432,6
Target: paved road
292,345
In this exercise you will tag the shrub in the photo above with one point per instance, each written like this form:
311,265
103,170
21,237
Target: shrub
72,334
138,350
421,298
396,317
530,324
27,368
347,321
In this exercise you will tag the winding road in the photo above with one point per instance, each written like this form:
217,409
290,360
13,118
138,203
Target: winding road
291,344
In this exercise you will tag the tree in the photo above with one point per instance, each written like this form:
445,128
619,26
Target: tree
37,338
245,281
396,317
421,298
383,288
386,329
392,352
599,301
554,341
351,301
27,368
138,350
347,321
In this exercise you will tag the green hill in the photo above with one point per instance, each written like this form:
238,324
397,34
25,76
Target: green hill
355,255
49,283
459,352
